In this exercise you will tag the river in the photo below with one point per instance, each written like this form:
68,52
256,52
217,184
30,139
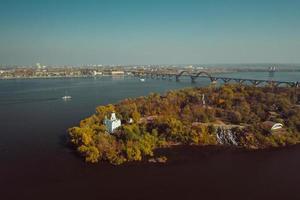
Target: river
35,162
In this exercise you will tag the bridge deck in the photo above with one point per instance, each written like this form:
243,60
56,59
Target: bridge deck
203,74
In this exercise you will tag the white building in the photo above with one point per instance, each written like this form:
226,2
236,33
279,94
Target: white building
117,73
112,123
271,126
95,73
277,126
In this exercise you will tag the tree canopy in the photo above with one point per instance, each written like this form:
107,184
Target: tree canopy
179,117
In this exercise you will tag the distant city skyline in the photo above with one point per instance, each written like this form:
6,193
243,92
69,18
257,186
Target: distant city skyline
76,32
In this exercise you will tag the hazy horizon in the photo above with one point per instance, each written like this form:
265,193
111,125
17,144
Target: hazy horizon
138,32
206,65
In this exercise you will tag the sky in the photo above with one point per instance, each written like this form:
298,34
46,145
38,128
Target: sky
61,32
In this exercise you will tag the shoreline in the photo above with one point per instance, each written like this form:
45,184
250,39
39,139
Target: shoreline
60,77
186,154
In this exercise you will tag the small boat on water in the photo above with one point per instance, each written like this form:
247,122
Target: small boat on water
142,80
66,97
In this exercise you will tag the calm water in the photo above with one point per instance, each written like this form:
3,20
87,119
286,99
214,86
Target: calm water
36,164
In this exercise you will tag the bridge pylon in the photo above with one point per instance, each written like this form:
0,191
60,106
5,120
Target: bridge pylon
272,71
193,79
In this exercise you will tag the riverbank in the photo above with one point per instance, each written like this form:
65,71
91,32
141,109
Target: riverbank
57,77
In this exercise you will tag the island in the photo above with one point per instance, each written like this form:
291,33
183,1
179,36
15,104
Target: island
234,115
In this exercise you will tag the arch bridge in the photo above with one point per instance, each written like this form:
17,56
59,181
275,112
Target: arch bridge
203,74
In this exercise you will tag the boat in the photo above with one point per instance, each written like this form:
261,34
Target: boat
66,97
142,80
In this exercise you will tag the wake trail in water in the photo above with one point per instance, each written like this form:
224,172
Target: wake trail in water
4,102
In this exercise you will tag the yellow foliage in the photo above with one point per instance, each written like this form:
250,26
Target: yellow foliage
90,153
81,135
136,116
103,111
133,152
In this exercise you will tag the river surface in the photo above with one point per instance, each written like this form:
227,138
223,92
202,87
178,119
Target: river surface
35,162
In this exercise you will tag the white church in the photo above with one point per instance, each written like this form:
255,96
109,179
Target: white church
112,123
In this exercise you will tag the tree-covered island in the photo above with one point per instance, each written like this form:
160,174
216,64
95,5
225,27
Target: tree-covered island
241,116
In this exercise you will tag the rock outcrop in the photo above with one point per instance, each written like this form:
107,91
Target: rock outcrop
226,136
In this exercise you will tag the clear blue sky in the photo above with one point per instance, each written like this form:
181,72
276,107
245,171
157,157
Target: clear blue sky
149,32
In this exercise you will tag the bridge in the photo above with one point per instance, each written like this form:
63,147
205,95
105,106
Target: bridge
202,74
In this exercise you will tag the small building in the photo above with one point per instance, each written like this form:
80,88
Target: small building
117,73
112,123
96,73
130,121
271,126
